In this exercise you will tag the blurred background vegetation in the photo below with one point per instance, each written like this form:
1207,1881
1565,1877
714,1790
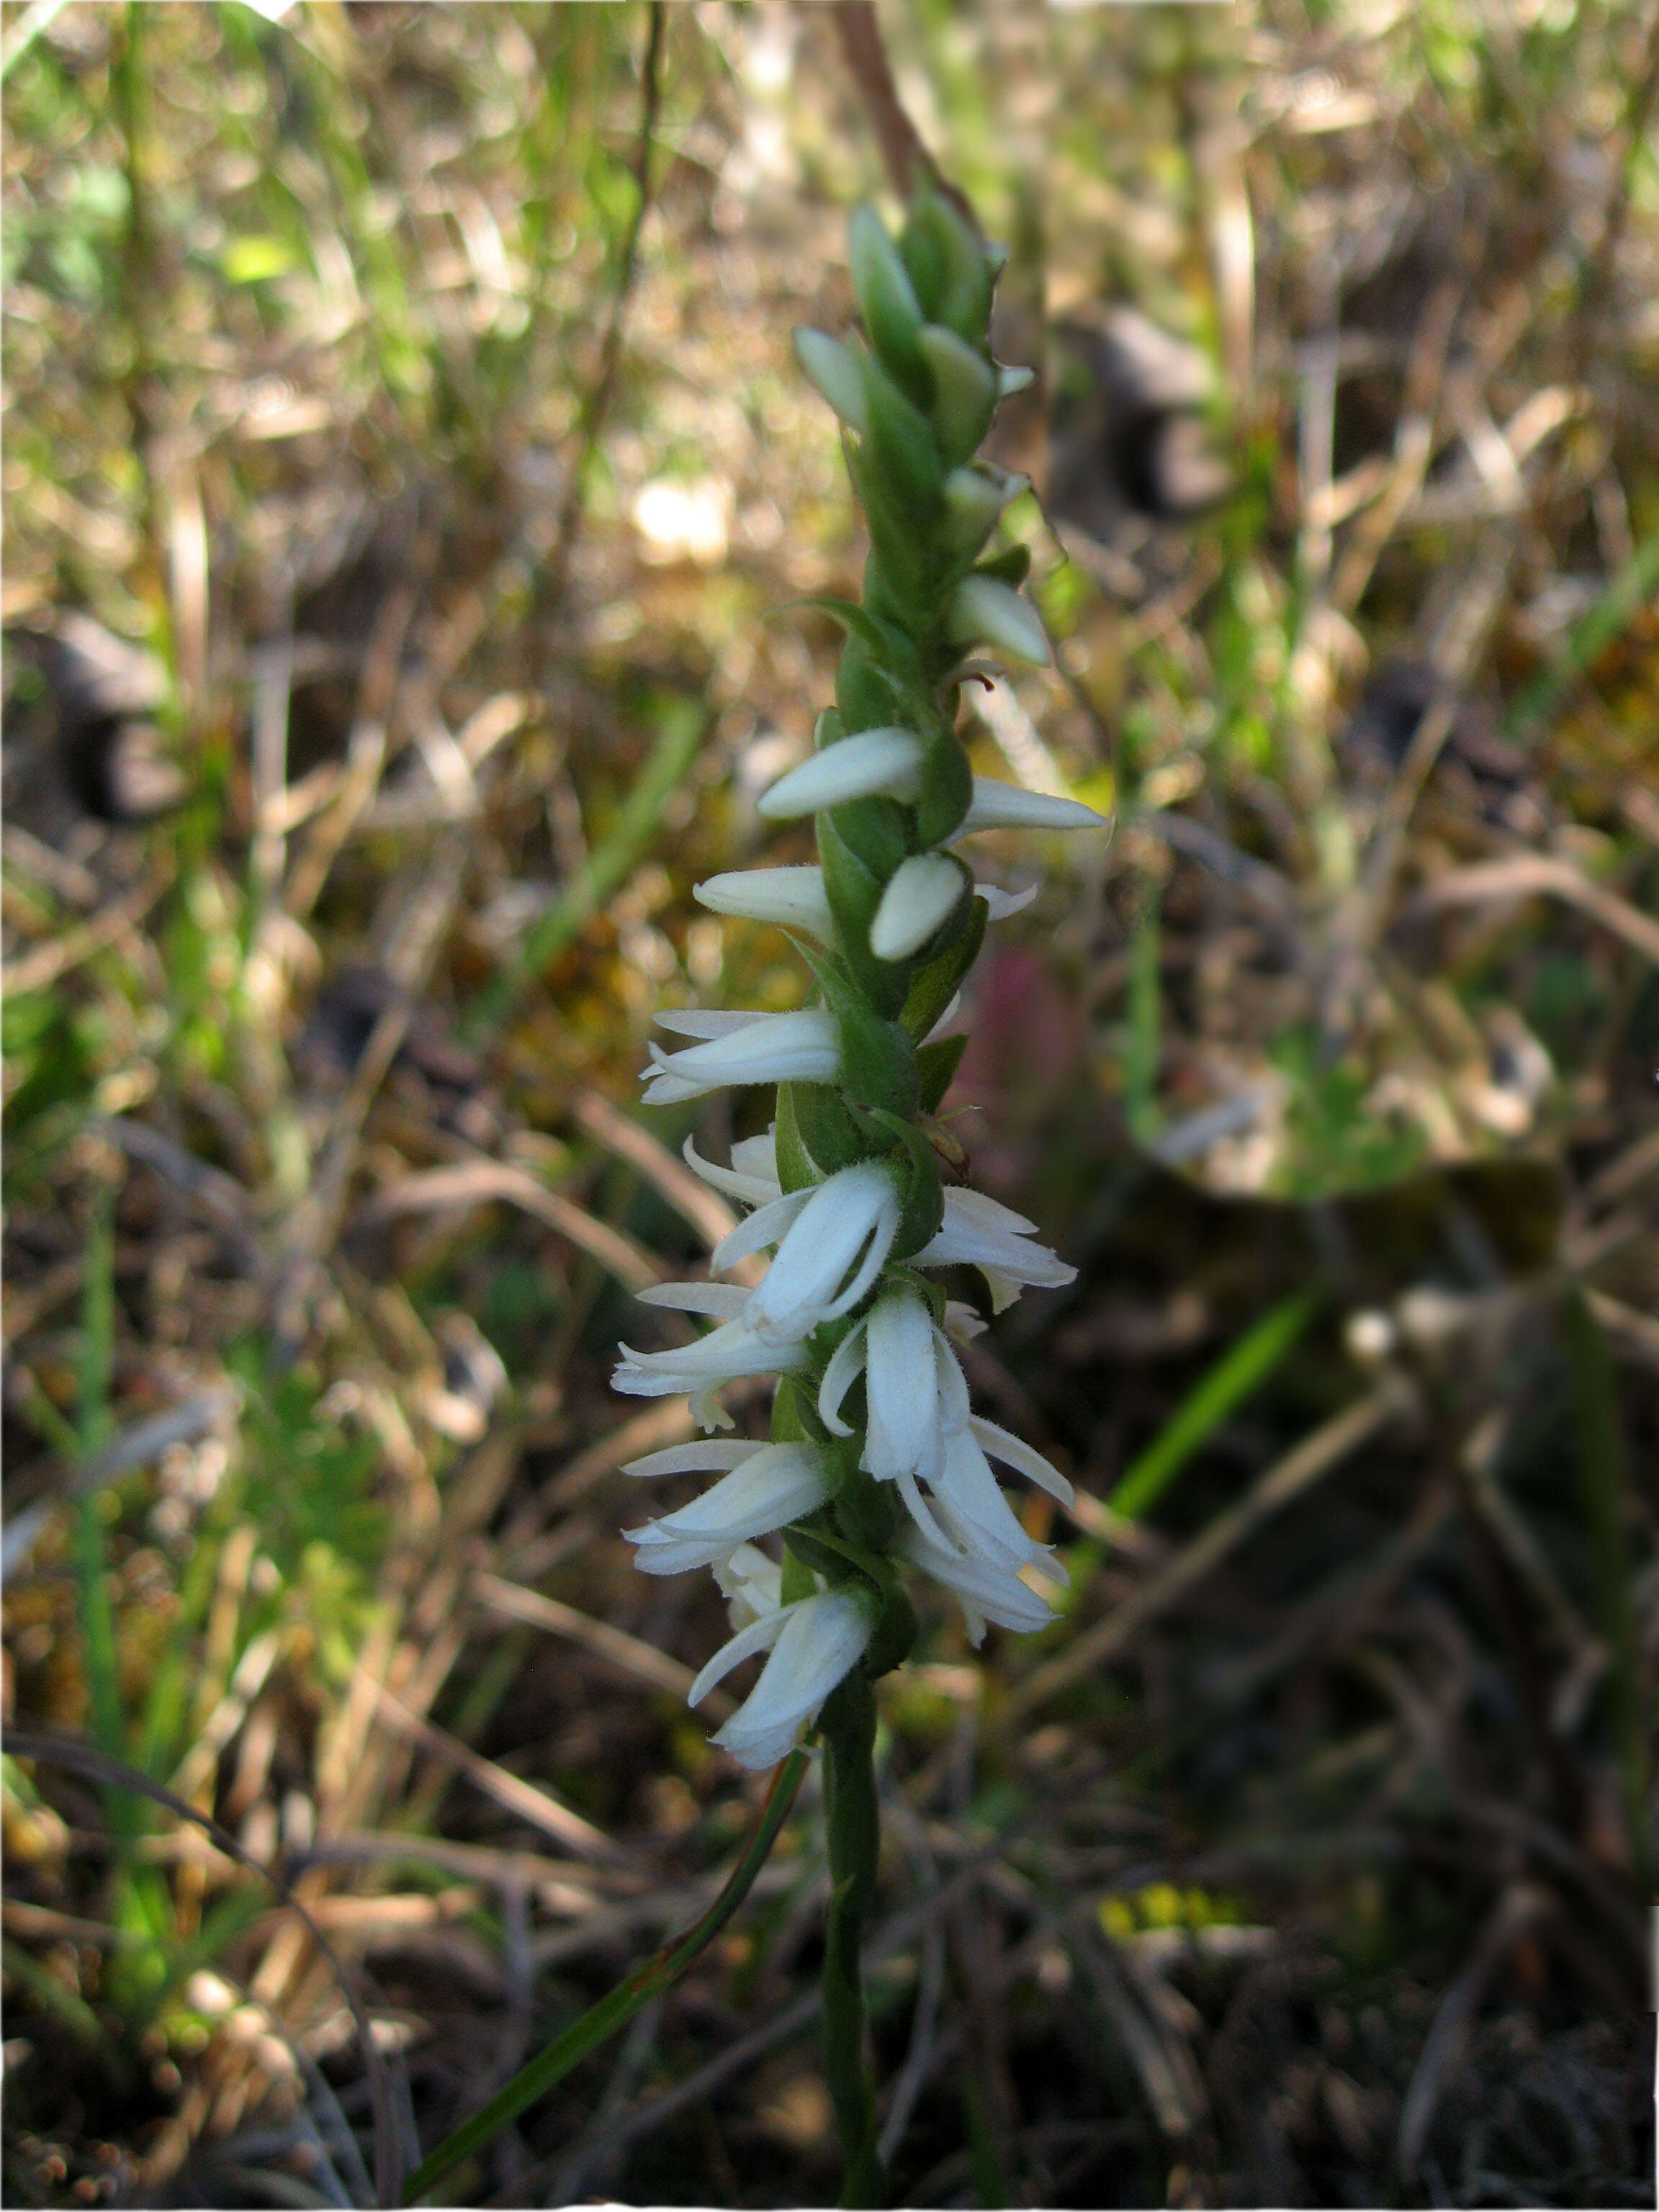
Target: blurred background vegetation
404,456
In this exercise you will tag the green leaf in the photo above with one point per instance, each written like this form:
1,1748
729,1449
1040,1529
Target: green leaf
795,1415
947,790
855,892
922,250
877,1063
936,1067
900,445
821,1125
868,1512
939,239
964,391
628,1998
887,300
796,1169
932,989
866,693
1241,1370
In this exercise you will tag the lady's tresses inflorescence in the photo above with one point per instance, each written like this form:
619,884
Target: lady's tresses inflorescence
877,1462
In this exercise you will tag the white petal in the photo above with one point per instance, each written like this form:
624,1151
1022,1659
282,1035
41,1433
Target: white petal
1003,903
977,1232
839,1375
793,898
945,1018
950,1386
765,1227
775,1486
700,1458
920,895
709,1021
758,1637
982,1518
726,1353
983,1590
800,1047
1010,380
848,1223
823,1640
758,1156
725,1299
902,1389
1013,1451
918,1506
880,760
1010,806
964,1204
738,1180
750,1584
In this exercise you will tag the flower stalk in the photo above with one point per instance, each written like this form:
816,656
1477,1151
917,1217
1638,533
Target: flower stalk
876,1468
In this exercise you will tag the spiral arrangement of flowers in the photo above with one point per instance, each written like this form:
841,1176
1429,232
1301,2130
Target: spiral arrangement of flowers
876,1464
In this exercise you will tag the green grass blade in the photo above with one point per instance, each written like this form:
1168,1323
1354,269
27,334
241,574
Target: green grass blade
638,819
1600,625
1602,1478
1241,1370
98,1644
619,2007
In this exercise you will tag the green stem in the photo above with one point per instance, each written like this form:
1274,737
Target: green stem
854,1821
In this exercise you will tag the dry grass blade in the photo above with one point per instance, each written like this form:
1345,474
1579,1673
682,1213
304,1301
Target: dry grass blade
526,1801
1519,1909
705,1209
643,1662
479,1182
1532,875
58,957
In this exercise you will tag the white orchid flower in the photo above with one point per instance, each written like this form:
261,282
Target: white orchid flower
815,1643
1010,806
771,1485
986,1592
836,1238
978,1232
722,1356
799,1047
886,760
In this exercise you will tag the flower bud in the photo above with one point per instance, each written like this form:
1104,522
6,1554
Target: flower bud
834,368
917,904
983,608
1009,806
886,297
884,760
793,898
964,390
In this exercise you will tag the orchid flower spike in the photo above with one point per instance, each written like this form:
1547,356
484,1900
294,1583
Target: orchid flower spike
877,1475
